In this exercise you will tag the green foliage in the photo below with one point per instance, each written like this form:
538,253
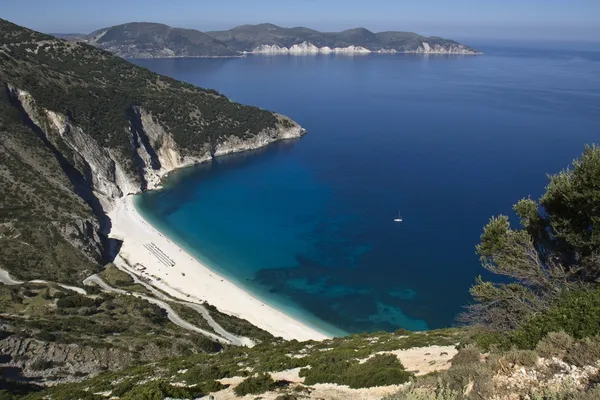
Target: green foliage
237,326
77,300
557,250
585,352
157,390
572,202
467,355
414,393
41,364
380,370
575,313
525,358
115,277
203,373
555,344
255,385
458,377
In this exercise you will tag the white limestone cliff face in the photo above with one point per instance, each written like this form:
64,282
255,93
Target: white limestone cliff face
307,48
426,48
167,151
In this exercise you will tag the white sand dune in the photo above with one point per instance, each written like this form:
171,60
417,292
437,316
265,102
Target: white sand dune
171,269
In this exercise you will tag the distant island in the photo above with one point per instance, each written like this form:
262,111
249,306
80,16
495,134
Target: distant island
154,40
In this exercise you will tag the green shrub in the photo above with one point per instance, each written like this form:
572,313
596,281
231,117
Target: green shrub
525,358
157,390
576,313
585,352
77,300
202,373
467,355
555,344
459,377
41,364
209,387
380,370
122,388
286,396
414,393
255,385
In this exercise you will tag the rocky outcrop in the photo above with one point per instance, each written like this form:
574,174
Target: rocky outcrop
52,363
234,144
307,48
426,48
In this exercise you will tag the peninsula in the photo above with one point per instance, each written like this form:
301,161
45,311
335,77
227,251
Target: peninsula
153,40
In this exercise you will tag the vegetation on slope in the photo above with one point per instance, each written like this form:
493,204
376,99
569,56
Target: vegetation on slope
148,40
51,224
277,355
99,91
552,263
248,37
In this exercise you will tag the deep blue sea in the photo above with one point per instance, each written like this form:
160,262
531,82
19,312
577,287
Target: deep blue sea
447,141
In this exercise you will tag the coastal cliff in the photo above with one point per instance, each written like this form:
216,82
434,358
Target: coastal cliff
157,153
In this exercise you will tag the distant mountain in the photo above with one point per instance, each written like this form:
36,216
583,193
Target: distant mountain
152,40
265,38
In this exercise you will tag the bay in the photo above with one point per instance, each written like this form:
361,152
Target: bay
448,141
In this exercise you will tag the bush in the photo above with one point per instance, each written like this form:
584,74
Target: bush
576,313
122,388
45,336
204,344
41,364
459,377
380,370
77,300
413,393
202,373
157,390
467,355
525,358
585,352
555,344
255,385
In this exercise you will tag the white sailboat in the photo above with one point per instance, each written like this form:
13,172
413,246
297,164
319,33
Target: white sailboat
399,218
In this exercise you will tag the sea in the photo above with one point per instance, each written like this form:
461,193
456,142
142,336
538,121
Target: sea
446,142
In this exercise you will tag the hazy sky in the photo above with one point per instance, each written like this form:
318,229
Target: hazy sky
573,19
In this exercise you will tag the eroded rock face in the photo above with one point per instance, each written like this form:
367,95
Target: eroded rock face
54,363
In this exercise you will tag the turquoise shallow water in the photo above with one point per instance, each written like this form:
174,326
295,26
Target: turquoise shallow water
449,141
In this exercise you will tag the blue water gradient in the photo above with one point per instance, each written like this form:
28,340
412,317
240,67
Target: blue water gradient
449,141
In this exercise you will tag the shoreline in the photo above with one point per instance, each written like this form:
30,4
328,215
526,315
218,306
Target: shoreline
170,268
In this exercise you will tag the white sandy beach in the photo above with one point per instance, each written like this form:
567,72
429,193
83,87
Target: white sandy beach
188,279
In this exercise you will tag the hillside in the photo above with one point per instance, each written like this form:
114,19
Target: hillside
79,129
153,40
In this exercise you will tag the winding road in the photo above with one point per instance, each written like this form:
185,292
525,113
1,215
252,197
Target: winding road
233,339
171,314
222,337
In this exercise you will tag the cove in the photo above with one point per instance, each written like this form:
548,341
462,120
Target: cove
449,141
